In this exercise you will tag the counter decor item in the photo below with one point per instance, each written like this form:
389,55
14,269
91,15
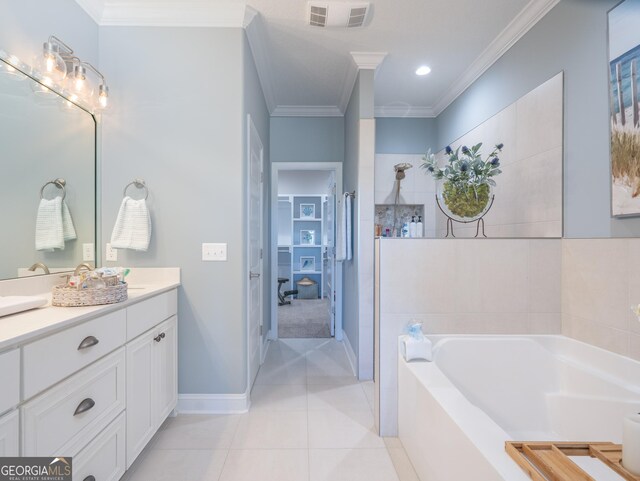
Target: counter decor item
91,288
465,191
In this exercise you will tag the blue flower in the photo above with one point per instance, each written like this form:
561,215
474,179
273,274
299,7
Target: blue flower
448,150
499,146
464,167
495,161
430,168
465,149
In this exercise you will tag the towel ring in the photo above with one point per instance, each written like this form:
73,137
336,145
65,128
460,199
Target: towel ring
140,184
59,183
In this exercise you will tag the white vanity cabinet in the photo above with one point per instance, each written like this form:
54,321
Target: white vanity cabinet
10,434
151,384
97,390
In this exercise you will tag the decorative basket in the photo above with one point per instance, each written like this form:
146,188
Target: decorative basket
65,296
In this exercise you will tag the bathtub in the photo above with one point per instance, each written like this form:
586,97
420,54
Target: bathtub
455,414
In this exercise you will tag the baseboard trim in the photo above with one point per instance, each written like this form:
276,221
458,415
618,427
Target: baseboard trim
213,403
353,361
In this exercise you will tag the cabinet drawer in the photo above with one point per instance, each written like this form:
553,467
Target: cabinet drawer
55,357
9,380
104,457
65,418
10,434
143,316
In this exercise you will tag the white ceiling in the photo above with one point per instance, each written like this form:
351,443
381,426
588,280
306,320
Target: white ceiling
308,70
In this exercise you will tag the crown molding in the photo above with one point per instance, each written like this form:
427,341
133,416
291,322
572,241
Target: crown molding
254,30
406,111
517,28
307,111
368,60
94,8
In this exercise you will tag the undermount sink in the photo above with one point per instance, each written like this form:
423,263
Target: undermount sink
13,304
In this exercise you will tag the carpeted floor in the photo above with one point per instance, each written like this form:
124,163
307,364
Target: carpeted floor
304,318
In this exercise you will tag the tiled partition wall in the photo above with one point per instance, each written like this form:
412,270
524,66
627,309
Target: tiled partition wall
600,281
466,286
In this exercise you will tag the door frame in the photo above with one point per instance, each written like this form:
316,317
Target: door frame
251,131
276,167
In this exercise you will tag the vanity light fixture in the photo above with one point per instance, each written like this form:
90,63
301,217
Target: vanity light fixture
59,63
423,70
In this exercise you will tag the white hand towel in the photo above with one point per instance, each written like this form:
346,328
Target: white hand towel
68,230
133,226
49,229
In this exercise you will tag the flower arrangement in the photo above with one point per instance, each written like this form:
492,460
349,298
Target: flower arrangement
467,178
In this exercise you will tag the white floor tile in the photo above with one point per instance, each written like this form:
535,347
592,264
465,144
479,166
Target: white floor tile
338,429
292,371
271,430
279,397
351,465
266,465
180,465
402,464
194,431
332,396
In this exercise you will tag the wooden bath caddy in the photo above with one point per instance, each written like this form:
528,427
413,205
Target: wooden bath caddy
549,461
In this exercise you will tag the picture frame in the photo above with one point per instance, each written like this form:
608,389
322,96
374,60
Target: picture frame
624,104
307,211
307,263
307,237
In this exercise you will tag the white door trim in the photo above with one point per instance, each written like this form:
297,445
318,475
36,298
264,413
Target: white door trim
276,167
252,131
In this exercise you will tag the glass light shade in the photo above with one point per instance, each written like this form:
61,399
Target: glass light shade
103,96
43,88
82,85
51,64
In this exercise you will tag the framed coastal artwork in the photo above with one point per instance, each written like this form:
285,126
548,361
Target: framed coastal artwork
307,211
307,264
624,62
307,237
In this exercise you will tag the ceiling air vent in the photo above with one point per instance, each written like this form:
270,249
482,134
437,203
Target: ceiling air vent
338,14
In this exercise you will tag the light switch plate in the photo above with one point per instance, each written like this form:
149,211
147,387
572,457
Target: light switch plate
88,252
111,254
214,252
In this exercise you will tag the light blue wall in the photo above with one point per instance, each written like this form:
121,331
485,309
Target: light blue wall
178,123
26,24
350,318
573,38
307,139
405,135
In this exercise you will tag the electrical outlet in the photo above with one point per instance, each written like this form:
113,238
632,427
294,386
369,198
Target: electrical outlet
88,253
214,252
111,254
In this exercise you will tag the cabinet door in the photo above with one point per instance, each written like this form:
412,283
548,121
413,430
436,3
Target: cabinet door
9,435
166,375
141,424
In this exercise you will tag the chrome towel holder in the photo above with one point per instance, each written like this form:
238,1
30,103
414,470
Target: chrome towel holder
140,184
59,183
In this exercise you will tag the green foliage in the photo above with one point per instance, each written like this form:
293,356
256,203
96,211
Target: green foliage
625,156
466,201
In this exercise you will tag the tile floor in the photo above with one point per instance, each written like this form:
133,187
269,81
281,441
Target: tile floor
310,420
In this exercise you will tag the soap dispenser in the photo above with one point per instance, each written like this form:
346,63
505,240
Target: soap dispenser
419,227
412,227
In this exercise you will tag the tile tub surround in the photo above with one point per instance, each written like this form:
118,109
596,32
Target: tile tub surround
461,286
315,426
528,195
600,281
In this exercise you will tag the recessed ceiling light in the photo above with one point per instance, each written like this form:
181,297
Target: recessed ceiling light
424,70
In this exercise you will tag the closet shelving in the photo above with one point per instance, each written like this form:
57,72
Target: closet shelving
293,244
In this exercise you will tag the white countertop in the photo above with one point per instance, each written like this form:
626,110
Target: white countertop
17,329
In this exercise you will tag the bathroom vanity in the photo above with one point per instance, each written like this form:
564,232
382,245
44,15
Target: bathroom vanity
94,383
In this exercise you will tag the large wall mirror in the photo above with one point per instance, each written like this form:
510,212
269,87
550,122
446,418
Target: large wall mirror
48,177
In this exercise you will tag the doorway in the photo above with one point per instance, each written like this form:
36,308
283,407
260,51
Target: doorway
306,277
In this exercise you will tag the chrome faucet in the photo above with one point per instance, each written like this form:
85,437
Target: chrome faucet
81,267
41,266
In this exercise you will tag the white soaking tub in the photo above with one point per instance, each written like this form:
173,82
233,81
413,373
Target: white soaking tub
455,414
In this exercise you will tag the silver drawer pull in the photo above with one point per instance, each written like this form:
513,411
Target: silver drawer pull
89,478
84,406
160,337
88,342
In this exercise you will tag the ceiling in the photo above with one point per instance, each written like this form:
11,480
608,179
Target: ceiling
308,70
